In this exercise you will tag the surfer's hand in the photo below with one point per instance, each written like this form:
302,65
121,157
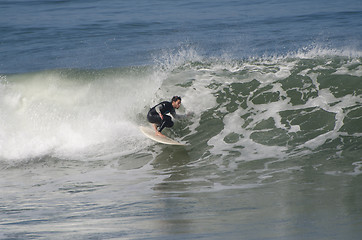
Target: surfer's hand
161,116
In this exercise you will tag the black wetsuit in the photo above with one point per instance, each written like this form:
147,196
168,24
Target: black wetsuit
163,108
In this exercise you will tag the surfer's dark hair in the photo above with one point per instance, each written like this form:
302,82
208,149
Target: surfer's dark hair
175,98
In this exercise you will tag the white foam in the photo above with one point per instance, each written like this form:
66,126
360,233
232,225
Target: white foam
345,69
47,114
265,71
320,51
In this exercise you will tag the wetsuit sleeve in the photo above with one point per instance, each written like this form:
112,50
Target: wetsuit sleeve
158,108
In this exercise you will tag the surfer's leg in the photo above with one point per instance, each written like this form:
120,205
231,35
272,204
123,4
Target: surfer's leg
167,122
154,119
156,122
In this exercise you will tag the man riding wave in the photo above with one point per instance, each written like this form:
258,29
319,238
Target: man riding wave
158,114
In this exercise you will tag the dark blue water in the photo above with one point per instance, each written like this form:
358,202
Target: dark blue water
273,147
37,35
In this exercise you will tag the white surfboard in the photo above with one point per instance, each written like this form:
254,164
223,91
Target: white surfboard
150,133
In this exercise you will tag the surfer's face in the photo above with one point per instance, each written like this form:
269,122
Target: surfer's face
176,104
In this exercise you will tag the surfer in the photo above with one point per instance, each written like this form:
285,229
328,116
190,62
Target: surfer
157,115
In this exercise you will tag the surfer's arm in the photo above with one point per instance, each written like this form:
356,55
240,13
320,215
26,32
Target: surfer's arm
158,110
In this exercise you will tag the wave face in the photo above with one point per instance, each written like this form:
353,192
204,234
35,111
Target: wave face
303,105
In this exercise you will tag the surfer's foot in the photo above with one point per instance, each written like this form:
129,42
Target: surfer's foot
159,134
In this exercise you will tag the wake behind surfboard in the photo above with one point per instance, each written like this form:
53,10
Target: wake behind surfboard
150,133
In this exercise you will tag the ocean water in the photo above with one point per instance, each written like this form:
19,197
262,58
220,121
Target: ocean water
274,144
